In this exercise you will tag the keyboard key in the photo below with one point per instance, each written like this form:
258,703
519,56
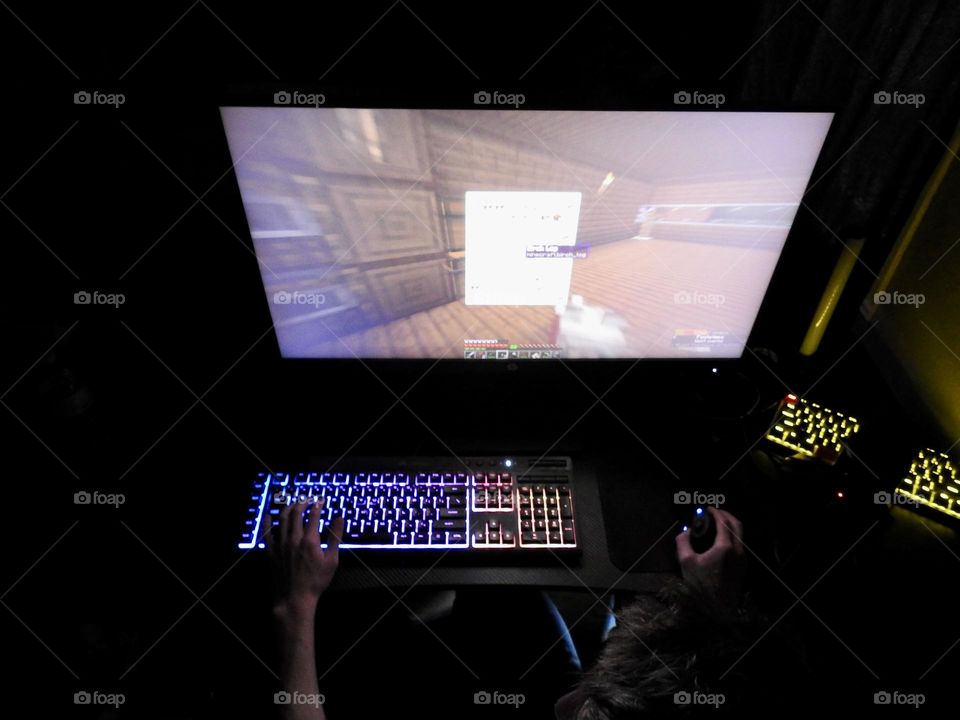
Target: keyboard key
450,524
533,538
377,538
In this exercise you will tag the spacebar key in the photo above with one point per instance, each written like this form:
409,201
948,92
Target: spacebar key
378,538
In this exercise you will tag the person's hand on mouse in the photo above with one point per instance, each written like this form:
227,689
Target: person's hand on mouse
719,570
302,569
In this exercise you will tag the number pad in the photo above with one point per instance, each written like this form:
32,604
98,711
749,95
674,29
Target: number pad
545,516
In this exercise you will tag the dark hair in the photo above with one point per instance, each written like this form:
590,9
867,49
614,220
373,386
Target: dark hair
685,641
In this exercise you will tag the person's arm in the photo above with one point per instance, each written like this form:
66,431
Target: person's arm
304,570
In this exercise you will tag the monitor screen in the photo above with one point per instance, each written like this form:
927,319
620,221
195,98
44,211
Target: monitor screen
518,235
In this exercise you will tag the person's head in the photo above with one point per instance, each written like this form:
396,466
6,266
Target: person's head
686,652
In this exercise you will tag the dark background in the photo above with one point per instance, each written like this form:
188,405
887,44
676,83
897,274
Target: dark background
175,398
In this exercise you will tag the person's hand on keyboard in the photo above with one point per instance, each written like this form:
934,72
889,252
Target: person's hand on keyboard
303,571
719,570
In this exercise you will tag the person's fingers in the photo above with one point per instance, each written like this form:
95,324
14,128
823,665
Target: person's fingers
736,530
685,551
723,529
333,538
285,524
312,531
296,523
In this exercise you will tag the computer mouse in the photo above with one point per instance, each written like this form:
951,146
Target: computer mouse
703,530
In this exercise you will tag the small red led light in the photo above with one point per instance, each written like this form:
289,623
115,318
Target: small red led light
840,495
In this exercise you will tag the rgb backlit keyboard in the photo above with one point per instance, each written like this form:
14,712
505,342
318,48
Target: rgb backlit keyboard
477,504
811,429
932,481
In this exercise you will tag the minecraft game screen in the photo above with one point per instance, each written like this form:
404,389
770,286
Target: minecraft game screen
518,235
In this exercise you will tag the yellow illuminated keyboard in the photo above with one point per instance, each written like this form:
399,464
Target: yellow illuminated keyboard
932,481
812,430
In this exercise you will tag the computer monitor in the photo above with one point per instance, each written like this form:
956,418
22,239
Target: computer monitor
518,235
